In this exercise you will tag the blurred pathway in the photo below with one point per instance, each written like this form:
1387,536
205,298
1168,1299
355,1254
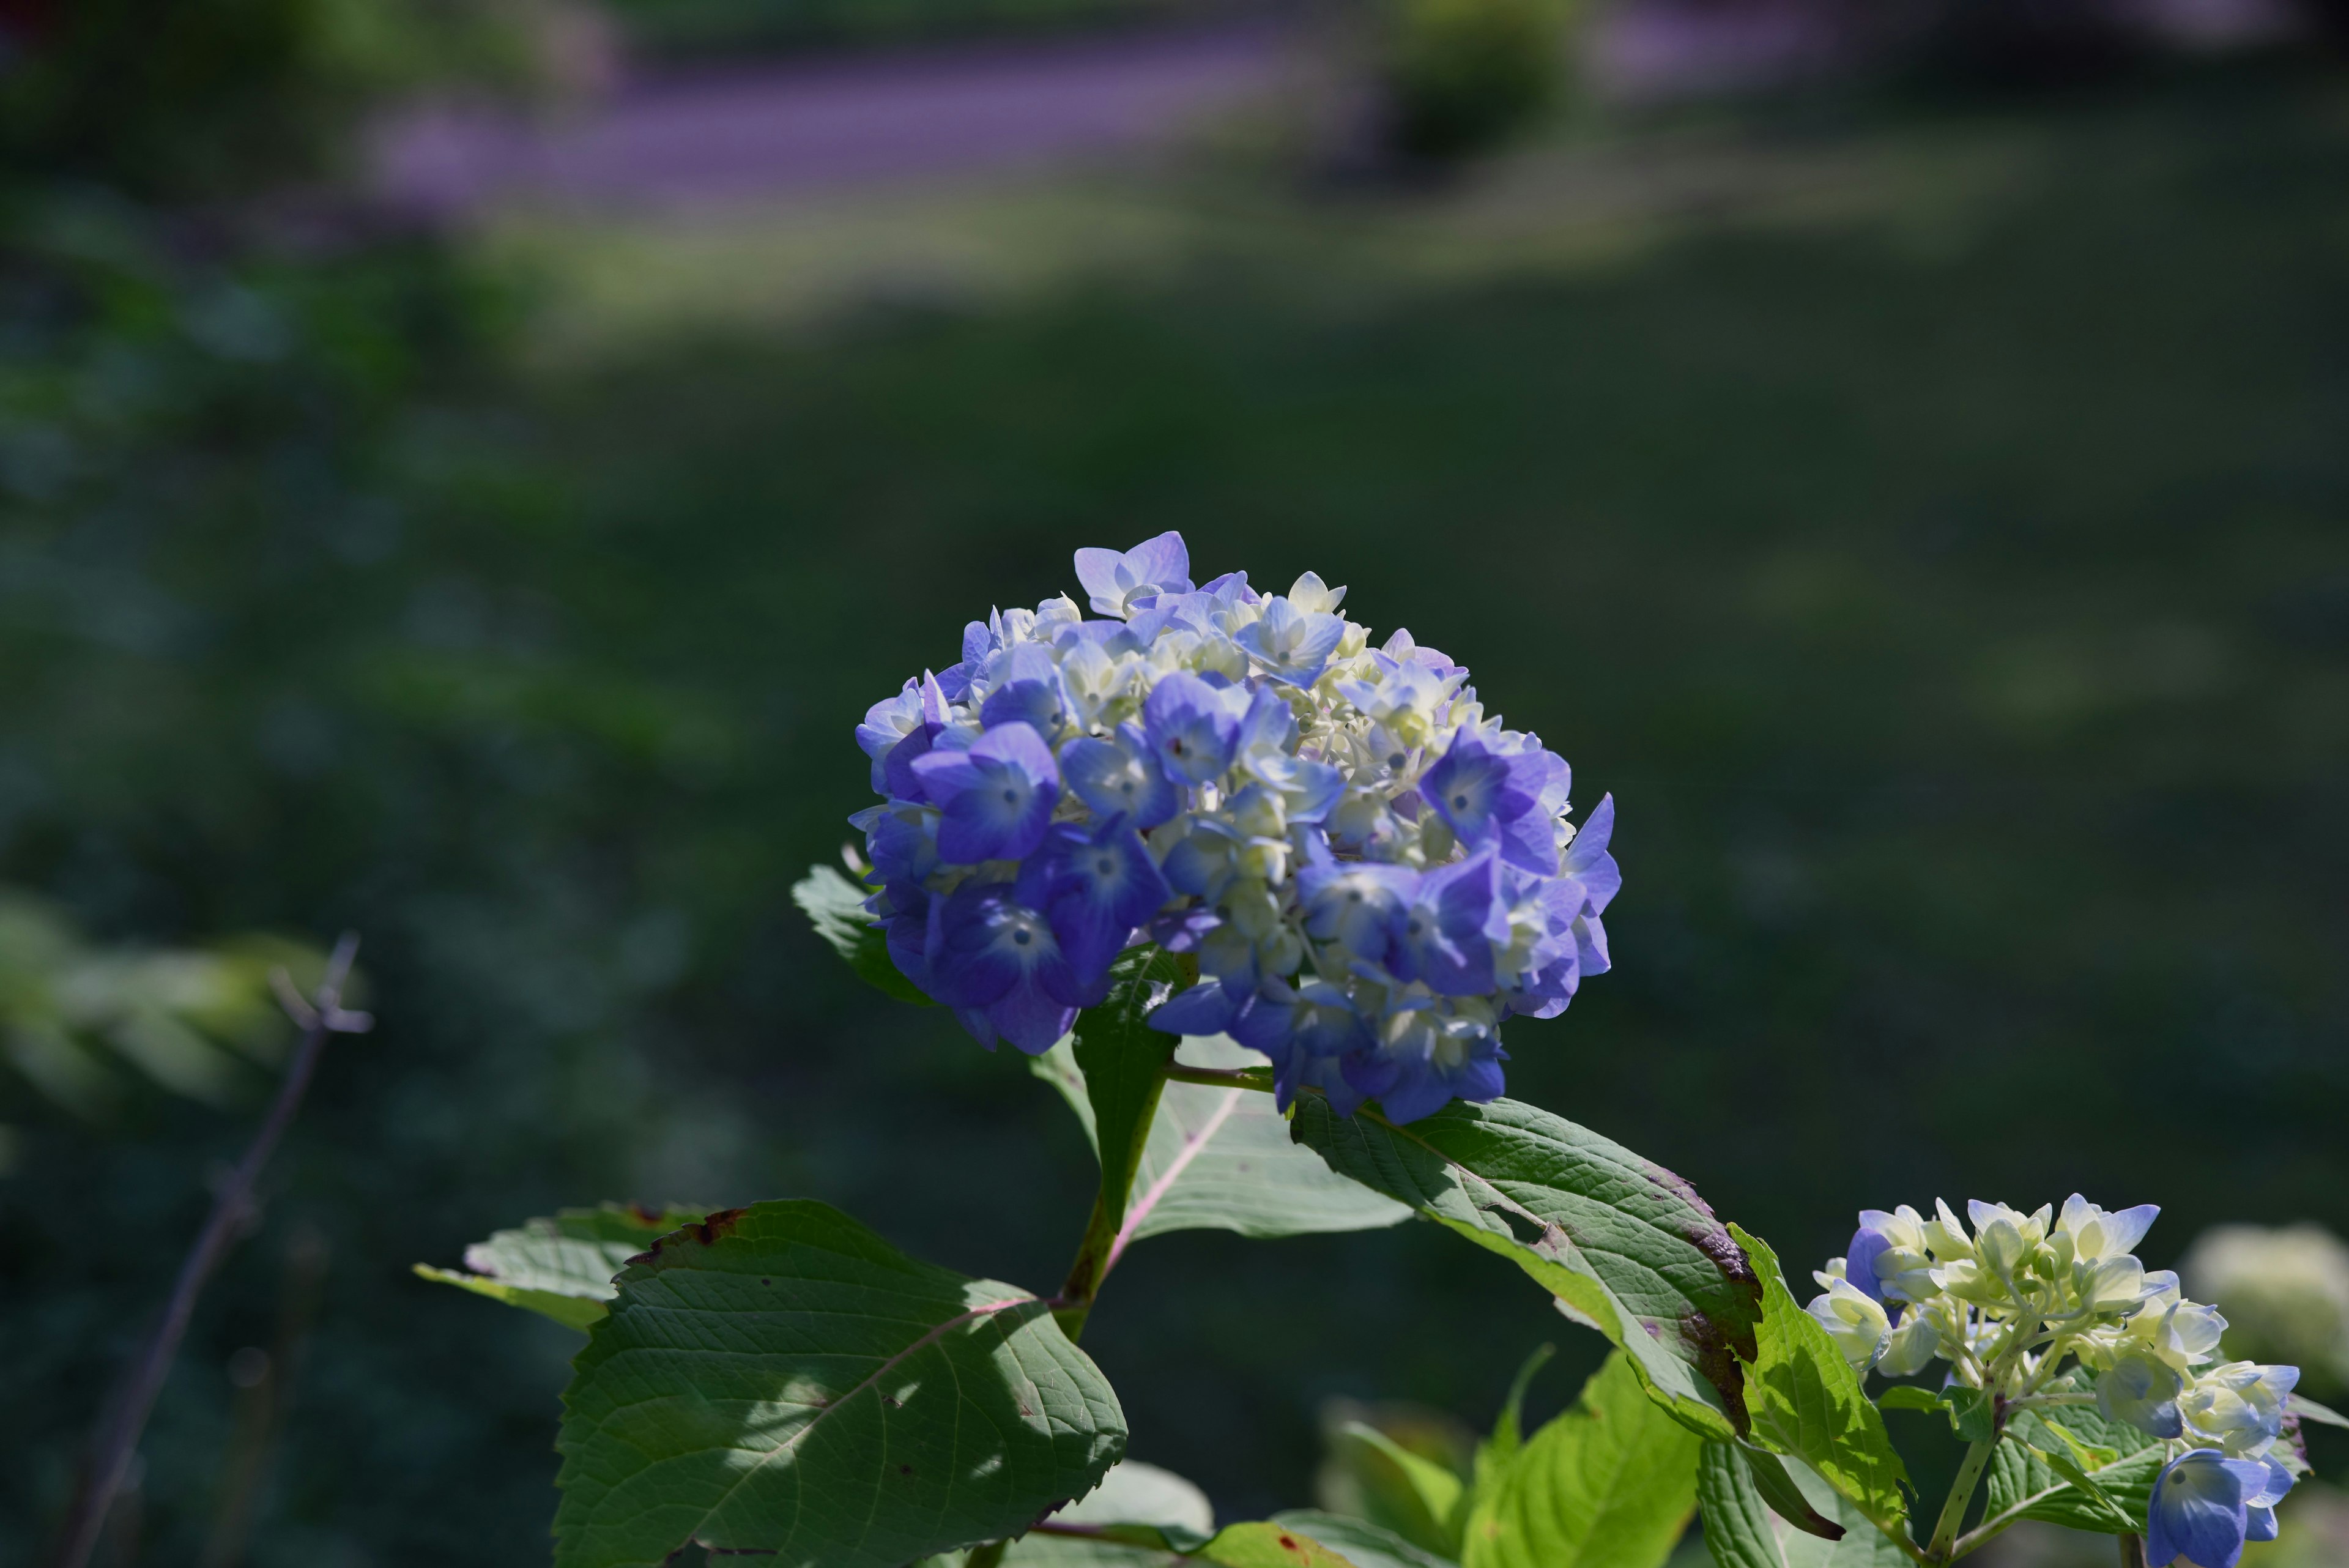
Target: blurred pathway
785,127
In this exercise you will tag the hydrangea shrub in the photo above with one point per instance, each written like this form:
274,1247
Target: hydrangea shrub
1257,896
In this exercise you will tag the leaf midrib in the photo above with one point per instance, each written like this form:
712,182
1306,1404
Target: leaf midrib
790,1444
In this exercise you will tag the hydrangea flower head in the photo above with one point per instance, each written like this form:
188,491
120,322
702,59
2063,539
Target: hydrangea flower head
2051,1309
1369,873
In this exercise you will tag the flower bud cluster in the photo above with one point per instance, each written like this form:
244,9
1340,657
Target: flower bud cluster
1371,871
2014,1302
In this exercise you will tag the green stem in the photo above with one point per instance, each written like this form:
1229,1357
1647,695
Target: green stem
1258,1078
1075,1303
1961,1492
2132,1551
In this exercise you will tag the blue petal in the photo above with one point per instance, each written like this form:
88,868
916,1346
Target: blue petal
1191,726
1587,861
1032,1019
1859,1262
1200,1010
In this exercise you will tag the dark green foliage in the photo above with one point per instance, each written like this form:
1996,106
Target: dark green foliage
219,97
1462,76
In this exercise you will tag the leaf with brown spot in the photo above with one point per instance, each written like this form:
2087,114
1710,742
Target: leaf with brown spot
1625,1246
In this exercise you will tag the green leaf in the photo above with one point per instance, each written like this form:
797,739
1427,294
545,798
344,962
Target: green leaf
1260,1544
562,1267
1222,1159
1806,1401
1608,1484
1786,1496
1626,1246
1973,1415
1263,1544
1421,1499
779,1378
1123,1061
2027,1477
1508,1427
835,907
1908,1396
1361,1543
1742,1531
1132,1493
2091,1498
2308,1409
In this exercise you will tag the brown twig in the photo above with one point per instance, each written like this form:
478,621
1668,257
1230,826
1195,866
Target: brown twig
134,1400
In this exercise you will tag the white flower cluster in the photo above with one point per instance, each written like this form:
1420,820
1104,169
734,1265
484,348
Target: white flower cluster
2011,1303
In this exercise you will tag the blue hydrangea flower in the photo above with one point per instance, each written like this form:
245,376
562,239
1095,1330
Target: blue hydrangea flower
1292,645
1118,774
1494,798
996,798
1095,888
1194,727
998,964
1427,1054
1364,865
1123,580
2203,1505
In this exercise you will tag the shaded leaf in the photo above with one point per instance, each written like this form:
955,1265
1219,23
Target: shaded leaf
2023,1480
1742,1531
1131,1493
1625,1246
1222,1159
1361,1543
1806,1402
1608,1484
1123,1061
562,1268
1358,1479
1494,1452
1973,1416
1421,1499
835,907
2308,1409
1785,1496
779,1378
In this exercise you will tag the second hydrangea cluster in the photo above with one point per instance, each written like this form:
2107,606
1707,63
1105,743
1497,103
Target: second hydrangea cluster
2014,1304
1371,871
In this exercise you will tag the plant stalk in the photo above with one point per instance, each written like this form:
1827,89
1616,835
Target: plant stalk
1257,1078
1961,1492
134,1400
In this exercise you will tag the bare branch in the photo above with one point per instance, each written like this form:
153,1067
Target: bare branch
134,1400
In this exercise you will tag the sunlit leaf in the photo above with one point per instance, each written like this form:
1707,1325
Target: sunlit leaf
1608,1484
1626,1246
780,1379
1806,1402
562,1267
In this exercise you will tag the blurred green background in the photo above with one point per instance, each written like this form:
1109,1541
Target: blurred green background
1922,507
